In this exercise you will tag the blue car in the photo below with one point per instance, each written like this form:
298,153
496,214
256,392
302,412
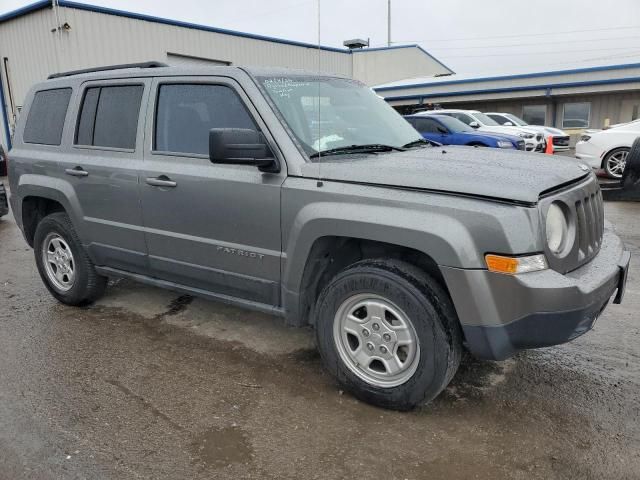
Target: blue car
451,131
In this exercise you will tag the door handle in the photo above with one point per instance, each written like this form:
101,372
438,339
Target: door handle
161,181
76,172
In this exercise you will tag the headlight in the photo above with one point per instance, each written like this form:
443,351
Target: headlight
504,144
557,228
585,138
526,135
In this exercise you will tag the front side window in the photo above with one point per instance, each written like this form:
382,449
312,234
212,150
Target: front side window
109,116
534,114
499,119
325,113
485,120
576,115
46,116
186,112
426,125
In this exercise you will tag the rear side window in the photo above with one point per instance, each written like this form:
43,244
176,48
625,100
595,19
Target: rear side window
46,116
109,116
185,114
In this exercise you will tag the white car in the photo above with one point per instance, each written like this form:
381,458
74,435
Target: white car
608,149
534,141
560,139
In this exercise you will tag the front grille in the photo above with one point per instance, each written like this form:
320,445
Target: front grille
561,141
585,205
589,225
521,145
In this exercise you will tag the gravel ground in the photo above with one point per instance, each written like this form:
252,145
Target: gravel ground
149,384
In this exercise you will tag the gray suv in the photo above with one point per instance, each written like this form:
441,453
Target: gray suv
308,197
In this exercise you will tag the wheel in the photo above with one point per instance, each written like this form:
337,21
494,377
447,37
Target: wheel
63,264
615,162
388,333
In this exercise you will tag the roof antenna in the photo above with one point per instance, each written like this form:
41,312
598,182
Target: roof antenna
319,184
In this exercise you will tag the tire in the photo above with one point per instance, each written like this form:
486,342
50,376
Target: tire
83,285
614,162
410,295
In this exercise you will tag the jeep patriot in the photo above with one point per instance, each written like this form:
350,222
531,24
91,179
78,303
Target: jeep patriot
307,196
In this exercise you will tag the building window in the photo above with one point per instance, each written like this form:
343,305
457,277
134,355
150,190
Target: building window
46,117
576,115
534,114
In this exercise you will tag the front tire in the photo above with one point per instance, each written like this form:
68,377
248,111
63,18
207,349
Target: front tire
63,264
615,162
388,333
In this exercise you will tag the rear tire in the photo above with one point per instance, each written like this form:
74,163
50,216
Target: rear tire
371,356
615,162
63,264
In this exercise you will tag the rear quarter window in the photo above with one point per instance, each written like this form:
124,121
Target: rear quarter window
45,121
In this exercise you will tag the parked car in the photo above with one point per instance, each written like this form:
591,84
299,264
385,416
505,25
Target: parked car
534,142
396,252
607,150
451,131
4,205
561,140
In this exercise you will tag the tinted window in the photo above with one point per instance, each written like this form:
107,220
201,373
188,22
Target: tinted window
576,115
499,119
109,116
426,125
186,113
46,116
534,114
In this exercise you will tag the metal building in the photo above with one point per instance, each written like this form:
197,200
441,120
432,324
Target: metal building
57,35
573,100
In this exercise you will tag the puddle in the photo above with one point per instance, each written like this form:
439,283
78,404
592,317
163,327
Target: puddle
219,447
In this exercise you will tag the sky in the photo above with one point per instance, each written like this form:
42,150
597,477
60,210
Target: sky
469,36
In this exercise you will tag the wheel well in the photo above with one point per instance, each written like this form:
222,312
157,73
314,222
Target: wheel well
35,209
330,255
477,144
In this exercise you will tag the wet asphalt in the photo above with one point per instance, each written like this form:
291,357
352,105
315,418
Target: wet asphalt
153,385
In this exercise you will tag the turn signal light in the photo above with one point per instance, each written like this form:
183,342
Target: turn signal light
515,265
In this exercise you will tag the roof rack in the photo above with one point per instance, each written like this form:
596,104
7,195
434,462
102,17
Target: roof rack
108,67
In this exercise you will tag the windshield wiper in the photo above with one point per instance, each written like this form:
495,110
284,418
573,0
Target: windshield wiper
421,141
372,147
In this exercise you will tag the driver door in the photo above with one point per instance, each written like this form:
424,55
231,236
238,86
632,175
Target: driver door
208,226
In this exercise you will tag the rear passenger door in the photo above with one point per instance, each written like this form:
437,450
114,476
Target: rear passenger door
103,168
209,226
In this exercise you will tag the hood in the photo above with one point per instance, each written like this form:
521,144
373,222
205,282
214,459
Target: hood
546,130
506,175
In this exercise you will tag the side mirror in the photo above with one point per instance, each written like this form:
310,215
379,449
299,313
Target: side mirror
241,146
474,125
508,124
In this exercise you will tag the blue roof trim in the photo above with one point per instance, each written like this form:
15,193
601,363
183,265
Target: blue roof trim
512,77
33,7
613,81
415,45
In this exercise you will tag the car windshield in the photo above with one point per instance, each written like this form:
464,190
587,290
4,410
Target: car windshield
453,124
516,120
485,120
328,113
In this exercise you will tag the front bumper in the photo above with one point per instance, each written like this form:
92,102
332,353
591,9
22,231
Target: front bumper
502,314
589,154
